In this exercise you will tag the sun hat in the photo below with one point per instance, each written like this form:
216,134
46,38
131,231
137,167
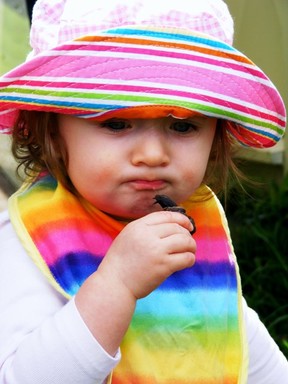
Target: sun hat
97,59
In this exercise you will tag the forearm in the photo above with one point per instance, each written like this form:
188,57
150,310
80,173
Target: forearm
43,339
115,304
61,350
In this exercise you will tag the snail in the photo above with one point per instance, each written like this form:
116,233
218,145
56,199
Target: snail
169,205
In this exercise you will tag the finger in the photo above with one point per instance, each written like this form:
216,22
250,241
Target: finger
168,217
179,261
164,230
180,242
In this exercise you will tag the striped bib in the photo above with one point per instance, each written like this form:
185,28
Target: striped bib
189,329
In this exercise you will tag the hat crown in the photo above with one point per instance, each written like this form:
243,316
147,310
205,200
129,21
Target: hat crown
58,21
135,58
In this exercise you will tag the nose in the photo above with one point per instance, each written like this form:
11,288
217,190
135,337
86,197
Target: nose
151,149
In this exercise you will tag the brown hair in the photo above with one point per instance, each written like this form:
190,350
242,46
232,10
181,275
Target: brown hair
222,169
38,146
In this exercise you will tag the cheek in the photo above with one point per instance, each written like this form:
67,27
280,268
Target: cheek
87,171
87,157
92,174
193,166
195,159
193,177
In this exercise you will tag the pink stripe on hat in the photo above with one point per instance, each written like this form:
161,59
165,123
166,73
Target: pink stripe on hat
142,66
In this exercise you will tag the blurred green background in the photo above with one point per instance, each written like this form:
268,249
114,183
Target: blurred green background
14,36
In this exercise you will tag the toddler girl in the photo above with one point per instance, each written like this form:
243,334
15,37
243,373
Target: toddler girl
118,102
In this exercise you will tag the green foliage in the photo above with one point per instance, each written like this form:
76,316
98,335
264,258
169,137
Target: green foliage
259,230
14,38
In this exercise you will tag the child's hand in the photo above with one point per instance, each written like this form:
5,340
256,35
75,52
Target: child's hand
141,257
148,250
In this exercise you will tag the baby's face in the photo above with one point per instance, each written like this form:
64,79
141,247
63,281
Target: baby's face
119,165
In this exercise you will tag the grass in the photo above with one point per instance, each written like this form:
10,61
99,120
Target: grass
14,38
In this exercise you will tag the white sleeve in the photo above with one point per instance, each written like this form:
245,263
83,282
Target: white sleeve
43,339
267,364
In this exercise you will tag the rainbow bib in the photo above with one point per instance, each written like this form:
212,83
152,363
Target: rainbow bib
189,330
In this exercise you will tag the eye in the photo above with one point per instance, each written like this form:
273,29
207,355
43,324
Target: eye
115,125
184,126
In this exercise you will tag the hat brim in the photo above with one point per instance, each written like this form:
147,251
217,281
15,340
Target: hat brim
143,70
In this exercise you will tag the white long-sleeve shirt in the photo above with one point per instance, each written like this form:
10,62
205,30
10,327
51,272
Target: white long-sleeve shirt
43,339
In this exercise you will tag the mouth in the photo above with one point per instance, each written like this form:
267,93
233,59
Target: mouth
148,185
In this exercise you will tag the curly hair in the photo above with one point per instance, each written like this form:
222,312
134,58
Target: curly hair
38,146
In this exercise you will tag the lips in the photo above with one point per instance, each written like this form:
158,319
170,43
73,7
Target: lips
143,184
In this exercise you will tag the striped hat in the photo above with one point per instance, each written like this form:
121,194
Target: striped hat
124,58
